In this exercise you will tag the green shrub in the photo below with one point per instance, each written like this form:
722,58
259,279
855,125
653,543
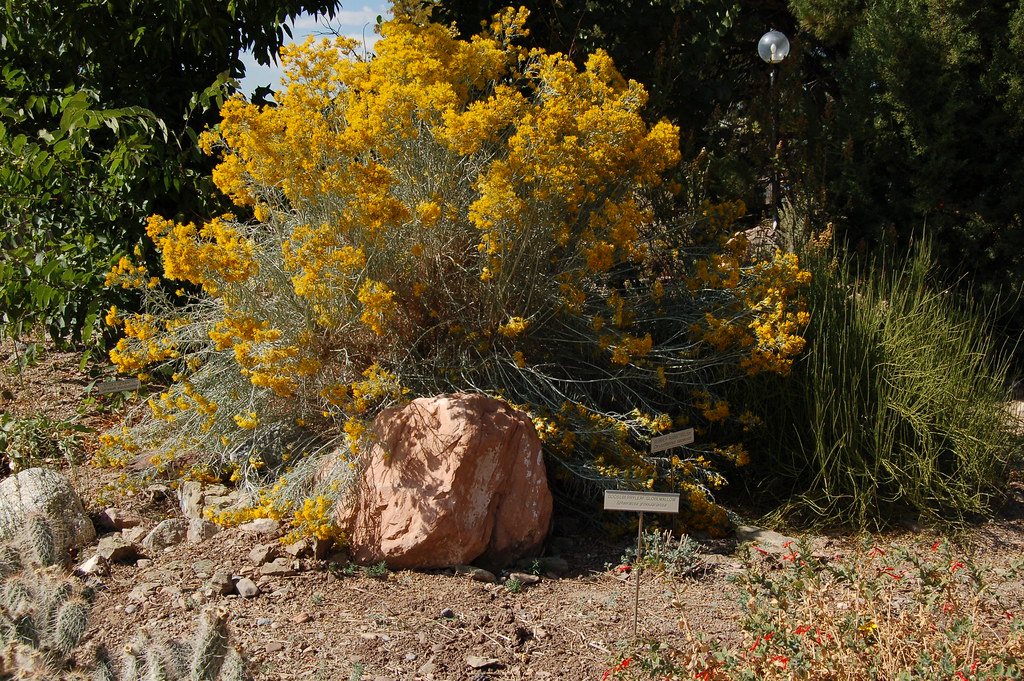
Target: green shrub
663,552
897,406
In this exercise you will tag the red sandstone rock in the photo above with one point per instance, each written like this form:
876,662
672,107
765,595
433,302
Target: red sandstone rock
452,480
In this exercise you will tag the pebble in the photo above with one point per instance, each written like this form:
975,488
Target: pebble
302,618
261,526
264,621
478,574
524,577
447,613
274,646
279,567
131,609
479,661
247,588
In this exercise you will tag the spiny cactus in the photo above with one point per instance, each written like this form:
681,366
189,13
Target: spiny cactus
44,613
72,621
210,646
10,561
43,540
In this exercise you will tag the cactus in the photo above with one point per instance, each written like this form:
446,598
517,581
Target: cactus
179,657
10,561
102,667
44,613
16,593
210,646
43,540
71,622
233,668
157,666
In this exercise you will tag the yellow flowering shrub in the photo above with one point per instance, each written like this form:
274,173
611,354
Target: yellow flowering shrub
450,215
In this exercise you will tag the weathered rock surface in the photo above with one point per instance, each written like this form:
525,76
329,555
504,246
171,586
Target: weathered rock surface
44,491
195,497
452,480
115,549
766,540
170,532
200,530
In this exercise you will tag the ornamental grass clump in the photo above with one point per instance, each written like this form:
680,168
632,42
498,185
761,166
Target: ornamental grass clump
898,407
445,216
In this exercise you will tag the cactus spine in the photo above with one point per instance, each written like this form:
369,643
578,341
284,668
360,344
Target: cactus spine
44,613
72,621
42,539
210,646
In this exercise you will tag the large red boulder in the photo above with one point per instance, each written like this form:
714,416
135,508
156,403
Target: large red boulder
452,480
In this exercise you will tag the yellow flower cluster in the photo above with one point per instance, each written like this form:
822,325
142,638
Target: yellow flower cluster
315,519
765,315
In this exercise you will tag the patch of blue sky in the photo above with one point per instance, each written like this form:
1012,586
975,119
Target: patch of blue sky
349,22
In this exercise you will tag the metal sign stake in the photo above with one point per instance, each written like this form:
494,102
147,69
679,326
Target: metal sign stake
636,572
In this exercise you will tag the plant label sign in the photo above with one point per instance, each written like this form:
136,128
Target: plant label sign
650,502
118,386
680,438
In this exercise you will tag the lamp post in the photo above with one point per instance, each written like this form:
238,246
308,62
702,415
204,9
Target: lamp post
773,47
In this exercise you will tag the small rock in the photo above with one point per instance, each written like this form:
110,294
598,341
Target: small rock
766,540
143,563
475,573
221,583
262,554
302,618
204,565
447,613
409,657
143,591
166,534
115,548
540,633
524,577
427,668
200,530
480,662
247,588
279,567
273,646
116,519
264,621
261,526
131,609
97,565
309,546
134,534
554,564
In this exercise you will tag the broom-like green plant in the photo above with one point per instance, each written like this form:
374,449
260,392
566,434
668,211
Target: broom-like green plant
898,405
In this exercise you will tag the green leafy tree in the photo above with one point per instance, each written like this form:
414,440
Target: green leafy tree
101,104
925,99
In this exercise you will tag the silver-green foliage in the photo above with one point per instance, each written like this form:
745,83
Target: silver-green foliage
661,551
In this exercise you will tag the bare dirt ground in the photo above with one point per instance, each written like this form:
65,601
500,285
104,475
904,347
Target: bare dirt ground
322,623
